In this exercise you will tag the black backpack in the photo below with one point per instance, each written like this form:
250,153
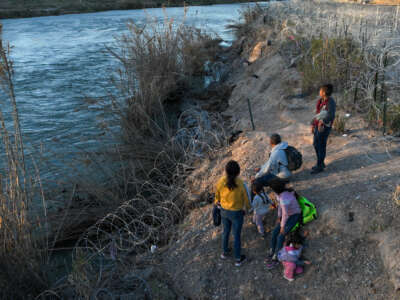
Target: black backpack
294,157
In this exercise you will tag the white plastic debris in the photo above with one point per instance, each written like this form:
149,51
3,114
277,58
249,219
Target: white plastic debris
153,248
344,135
347,115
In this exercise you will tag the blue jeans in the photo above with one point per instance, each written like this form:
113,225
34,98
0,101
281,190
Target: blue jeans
320,140
278,238
232,219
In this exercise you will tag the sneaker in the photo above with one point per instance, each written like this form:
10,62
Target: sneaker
272,264
316,166
270,253
287,278
225,255
317,170
239,262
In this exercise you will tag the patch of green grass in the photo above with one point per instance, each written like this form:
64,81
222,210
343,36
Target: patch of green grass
334,60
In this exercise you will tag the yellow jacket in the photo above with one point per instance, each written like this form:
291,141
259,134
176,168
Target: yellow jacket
231,200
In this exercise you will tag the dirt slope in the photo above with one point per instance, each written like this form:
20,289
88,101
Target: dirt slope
349,257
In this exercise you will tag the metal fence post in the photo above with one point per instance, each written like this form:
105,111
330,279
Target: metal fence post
251,114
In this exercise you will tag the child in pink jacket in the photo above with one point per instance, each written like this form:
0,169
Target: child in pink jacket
290,254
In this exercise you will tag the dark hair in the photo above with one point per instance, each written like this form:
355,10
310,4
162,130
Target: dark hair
275,138
232,170
294,238
256,187
279,186
327,88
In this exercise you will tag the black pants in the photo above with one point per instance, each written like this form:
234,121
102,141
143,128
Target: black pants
320,140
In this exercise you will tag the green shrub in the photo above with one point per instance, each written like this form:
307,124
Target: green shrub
334,60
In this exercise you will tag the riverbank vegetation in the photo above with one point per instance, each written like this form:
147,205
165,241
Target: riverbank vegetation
26,9
24,250
130,194
356,48
144,195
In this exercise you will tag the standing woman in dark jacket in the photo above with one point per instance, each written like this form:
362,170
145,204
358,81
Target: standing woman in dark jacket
322,125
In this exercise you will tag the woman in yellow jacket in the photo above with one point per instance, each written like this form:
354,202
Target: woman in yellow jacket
231,196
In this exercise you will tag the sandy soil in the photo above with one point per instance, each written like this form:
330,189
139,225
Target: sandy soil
363,168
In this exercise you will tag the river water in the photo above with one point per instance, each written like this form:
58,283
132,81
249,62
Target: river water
59,60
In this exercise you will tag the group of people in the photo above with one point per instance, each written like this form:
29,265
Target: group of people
234,198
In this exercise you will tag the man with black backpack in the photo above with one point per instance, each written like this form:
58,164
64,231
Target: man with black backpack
282,160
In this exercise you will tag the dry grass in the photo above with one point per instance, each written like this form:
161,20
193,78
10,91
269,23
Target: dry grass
24,257
136,194
339,125
132,193
396,195
141,195
157,63
375,2
385,2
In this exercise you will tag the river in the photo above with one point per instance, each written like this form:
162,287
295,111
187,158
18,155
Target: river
59,60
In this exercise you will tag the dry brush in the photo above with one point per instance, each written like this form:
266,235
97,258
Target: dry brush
142,194
355,47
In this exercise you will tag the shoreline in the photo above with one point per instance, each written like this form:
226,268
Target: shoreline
49,11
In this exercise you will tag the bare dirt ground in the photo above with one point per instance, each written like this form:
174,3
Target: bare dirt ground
352,259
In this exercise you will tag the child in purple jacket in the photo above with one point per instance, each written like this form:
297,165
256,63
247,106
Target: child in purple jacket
289,213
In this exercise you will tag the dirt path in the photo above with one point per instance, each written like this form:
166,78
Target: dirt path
362,171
